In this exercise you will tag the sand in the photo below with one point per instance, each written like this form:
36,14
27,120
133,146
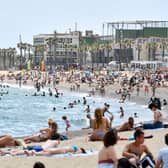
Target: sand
80,138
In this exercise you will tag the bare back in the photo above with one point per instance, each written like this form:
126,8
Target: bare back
103,126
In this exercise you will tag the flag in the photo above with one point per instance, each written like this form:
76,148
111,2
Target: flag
42,66
28,67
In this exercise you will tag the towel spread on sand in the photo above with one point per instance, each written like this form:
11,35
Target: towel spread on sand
88,153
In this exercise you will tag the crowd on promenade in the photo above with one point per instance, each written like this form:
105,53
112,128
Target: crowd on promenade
102,126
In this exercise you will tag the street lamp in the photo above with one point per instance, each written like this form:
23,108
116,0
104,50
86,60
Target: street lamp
20,76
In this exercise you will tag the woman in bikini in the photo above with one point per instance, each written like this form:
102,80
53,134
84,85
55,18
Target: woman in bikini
45,133
100,126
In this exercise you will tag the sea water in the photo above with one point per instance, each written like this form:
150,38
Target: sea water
22,114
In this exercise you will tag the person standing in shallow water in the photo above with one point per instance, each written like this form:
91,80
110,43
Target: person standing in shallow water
84,101
67,123
87,110
121,112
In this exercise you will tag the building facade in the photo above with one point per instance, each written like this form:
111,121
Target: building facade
57,48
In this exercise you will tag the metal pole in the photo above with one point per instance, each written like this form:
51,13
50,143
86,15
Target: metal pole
20,80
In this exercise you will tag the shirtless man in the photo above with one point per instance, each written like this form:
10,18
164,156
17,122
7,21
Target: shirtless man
129,125
134,151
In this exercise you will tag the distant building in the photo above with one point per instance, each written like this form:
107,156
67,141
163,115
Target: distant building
57,48
136,29
7,58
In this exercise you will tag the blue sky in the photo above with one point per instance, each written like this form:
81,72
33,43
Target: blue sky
31,17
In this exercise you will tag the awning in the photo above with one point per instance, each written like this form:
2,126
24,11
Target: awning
163,69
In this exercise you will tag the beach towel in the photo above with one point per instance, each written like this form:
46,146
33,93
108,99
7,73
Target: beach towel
88,153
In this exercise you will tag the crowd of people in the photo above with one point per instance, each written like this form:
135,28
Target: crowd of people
135,154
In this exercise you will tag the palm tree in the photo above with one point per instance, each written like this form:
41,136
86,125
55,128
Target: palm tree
39,50
154,49
163,46
21,47
9,51
108,47
139,48
4,58
29,48
55,45
13,54
148,47
0,58
49,42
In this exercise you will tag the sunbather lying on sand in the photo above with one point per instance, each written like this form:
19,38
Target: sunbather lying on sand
61,150
8,140
45,146
45,133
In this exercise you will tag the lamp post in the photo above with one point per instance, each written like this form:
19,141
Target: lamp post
120,52
55,45
19,45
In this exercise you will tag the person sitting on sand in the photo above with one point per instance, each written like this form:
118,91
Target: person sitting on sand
129,125
100,125
45,133
58,150
136,149
8,140
157,122
162,159
107,156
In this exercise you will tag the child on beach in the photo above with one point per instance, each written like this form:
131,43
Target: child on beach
66,122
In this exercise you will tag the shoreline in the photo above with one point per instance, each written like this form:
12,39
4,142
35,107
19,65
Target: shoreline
80,138
110,93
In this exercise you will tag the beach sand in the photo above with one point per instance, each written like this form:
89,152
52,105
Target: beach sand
90,161
80,138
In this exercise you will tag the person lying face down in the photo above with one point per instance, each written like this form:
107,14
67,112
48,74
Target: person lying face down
58,150
45,146
129,125
8,140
